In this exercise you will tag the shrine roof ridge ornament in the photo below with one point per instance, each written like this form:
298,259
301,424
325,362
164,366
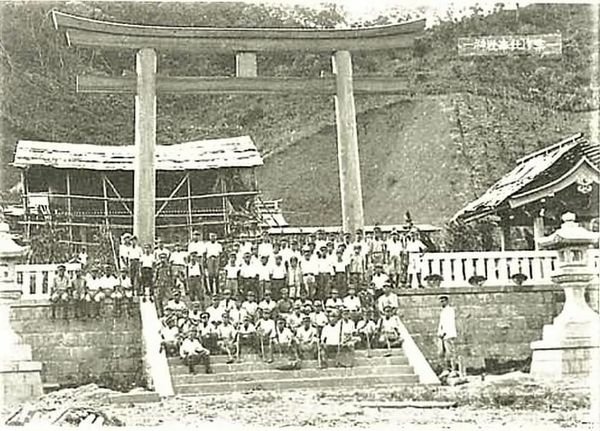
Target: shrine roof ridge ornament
86,32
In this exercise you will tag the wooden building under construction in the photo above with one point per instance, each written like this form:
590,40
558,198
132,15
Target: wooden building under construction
207,185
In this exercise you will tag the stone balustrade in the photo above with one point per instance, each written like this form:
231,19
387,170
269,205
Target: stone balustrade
35,280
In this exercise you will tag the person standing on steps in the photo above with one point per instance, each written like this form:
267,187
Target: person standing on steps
446,333
213,257
415,249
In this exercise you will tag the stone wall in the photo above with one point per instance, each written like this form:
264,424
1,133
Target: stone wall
495,325
107,350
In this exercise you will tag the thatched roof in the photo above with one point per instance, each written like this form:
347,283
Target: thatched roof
238,152
540,168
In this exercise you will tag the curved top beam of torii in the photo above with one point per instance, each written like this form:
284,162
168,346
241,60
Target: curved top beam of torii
85,32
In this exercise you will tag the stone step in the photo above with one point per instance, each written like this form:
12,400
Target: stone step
359,354
177,367
292,383
274,374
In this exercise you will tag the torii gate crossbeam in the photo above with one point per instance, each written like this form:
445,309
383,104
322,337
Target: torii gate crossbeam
245,43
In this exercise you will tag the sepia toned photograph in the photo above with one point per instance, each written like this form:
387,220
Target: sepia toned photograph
300,214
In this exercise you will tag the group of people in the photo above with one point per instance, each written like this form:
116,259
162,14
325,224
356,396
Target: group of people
327,331
310,266
84,294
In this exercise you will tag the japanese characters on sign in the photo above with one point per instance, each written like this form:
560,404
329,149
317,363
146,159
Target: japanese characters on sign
539,44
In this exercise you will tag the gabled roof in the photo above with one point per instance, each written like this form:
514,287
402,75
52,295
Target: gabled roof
238,152
533,171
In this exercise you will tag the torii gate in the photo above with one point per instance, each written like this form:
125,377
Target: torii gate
245,43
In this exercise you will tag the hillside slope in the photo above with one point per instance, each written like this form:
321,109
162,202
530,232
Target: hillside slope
423,155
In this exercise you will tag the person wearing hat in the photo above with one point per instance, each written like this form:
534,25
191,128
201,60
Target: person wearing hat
284,304
176,304
248,280
415,249
192,352
228,302
388,299
196,245
208,333
123,293
340,270
285,251
250,306
195,274
169,334
393,254
366,328
278,276
378,280
147,273
306,339
318,317
163,281
232,273
214,310
213,255
294,319
60,292
325,273
294,277
388,329
134,258
124,250
330,339
159,249
334,301
264,275
237,313
195,311
227,337
377,248
446,333
247,335
282,341
265,247
348,340
356,265
352,303
80,292
178,260
268,305
310,268
265,326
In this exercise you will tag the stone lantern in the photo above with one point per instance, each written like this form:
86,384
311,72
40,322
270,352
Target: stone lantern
570,345
19,375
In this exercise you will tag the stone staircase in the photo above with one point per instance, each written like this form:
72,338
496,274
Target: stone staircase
251,373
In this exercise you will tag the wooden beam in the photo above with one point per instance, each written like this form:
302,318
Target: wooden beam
240,85
173,193
119,197
189,207
86,32
347,144
144,182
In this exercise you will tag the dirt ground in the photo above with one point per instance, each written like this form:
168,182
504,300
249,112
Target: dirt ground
508,402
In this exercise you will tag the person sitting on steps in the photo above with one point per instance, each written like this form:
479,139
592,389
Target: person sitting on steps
192,352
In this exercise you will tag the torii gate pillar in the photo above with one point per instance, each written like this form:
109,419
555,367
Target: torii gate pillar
347,144
145,144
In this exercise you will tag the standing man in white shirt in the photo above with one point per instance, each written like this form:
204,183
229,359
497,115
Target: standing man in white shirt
135,257
415,249
446,333
195,278
213,256
394,249
147,272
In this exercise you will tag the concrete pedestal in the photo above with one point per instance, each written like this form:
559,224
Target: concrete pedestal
570,346
20,378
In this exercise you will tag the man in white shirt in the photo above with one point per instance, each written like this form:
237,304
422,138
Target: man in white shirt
247,334
214,310
176,304
227,303
378,280
415,249
310,269
447,333
135,256
348,340
352,303
232,273
389,330
213,255
147,272
330,339
282,340
169,333
192,352
227,338
250,305
366,328
318,316
394,250
195,278
264,275
388,299
178,259
306,339
123,293
248,275
124,251
278,275
265,248
197,245
265,326
267,305
160,249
